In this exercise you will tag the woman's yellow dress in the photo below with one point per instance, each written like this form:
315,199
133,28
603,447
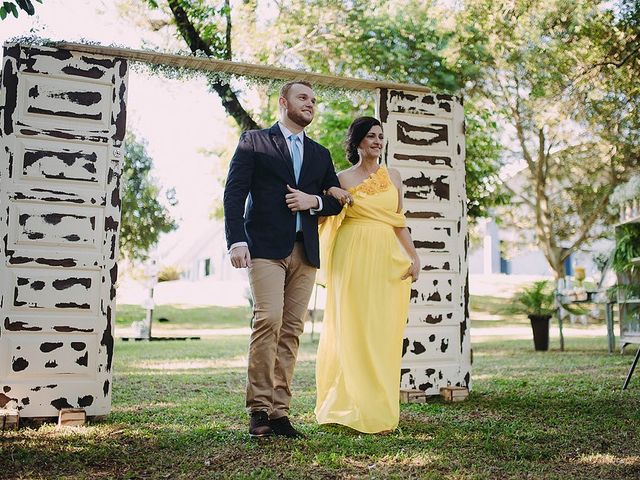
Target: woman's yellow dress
358,362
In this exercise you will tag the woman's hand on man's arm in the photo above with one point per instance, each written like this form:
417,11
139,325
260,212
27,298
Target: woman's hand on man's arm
343,196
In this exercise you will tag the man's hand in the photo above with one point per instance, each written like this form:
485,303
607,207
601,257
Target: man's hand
298,201
240,257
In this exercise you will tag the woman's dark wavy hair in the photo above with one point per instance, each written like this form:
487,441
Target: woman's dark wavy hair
356,132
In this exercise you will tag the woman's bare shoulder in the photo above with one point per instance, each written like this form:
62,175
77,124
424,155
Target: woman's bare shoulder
346,178
346,171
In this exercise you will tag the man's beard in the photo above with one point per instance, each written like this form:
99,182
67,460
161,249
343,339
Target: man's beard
298,119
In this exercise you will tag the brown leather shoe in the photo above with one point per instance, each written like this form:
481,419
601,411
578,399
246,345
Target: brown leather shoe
282,427
259,425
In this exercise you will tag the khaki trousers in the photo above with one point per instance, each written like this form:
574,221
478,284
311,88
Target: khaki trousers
281,290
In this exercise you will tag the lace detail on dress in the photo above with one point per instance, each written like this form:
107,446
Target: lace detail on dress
376,183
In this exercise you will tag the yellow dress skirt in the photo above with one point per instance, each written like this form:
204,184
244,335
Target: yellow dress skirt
358,361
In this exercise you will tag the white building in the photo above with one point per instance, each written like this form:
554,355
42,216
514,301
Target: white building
203,256
490,257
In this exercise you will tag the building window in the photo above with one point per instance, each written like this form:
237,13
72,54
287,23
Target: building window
207,267
505,264
568,266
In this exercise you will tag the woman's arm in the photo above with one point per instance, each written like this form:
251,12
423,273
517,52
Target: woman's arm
405,240
403,232
341,194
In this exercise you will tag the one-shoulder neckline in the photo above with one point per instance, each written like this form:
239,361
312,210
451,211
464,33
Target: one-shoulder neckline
370,178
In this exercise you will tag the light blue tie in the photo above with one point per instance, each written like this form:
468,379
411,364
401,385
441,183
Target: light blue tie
297,166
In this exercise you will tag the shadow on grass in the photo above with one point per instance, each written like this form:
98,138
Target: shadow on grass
552,415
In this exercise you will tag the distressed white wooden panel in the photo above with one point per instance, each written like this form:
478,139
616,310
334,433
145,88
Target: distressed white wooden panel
62,124
47,289
55,161
437,289
57,225
61,322
69,101
69,64
440,262
434,186
421,211
437,236
415,103
35,356
425,143
25,393
431,193
401,157
431,378
441,342
420,141
429,316
54,194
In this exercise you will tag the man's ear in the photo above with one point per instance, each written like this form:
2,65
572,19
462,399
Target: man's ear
282,102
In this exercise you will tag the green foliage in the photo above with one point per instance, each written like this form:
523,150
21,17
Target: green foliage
484,187
627,249
144,218
378,40
536,299
365,39
12,7
555,75
560,74
331,124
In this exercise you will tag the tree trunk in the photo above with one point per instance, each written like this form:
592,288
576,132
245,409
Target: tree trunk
228,97
557,266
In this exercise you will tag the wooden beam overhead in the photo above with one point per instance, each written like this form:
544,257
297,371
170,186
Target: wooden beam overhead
238,68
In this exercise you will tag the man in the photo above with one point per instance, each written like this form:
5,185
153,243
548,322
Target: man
284,174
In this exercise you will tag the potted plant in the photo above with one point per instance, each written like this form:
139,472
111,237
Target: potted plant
625,262
537,302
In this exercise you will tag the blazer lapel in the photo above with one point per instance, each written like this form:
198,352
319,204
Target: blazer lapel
281,146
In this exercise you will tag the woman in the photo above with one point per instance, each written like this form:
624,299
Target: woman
368,285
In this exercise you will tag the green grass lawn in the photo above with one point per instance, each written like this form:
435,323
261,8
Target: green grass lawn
486,311
178,413
186,317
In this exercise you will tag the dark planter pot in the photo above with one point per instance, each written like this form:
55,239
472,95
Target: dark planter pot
540,326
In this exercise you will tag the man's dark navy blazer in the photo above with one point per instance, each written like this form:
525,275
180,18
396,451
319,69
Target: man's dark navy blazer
255,210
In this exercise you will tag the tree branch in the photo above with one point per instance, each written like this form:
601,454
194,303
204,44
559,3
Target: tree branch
195,42
520,129
619,64
227,11
542,170
526,200
588,224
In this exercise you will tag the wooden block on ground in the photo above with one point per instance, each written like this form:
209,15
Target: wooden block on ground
454,394
412,396
71,417
9,419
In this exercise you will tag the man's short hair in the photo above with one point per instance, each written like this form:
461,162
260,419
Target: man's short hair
284,91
